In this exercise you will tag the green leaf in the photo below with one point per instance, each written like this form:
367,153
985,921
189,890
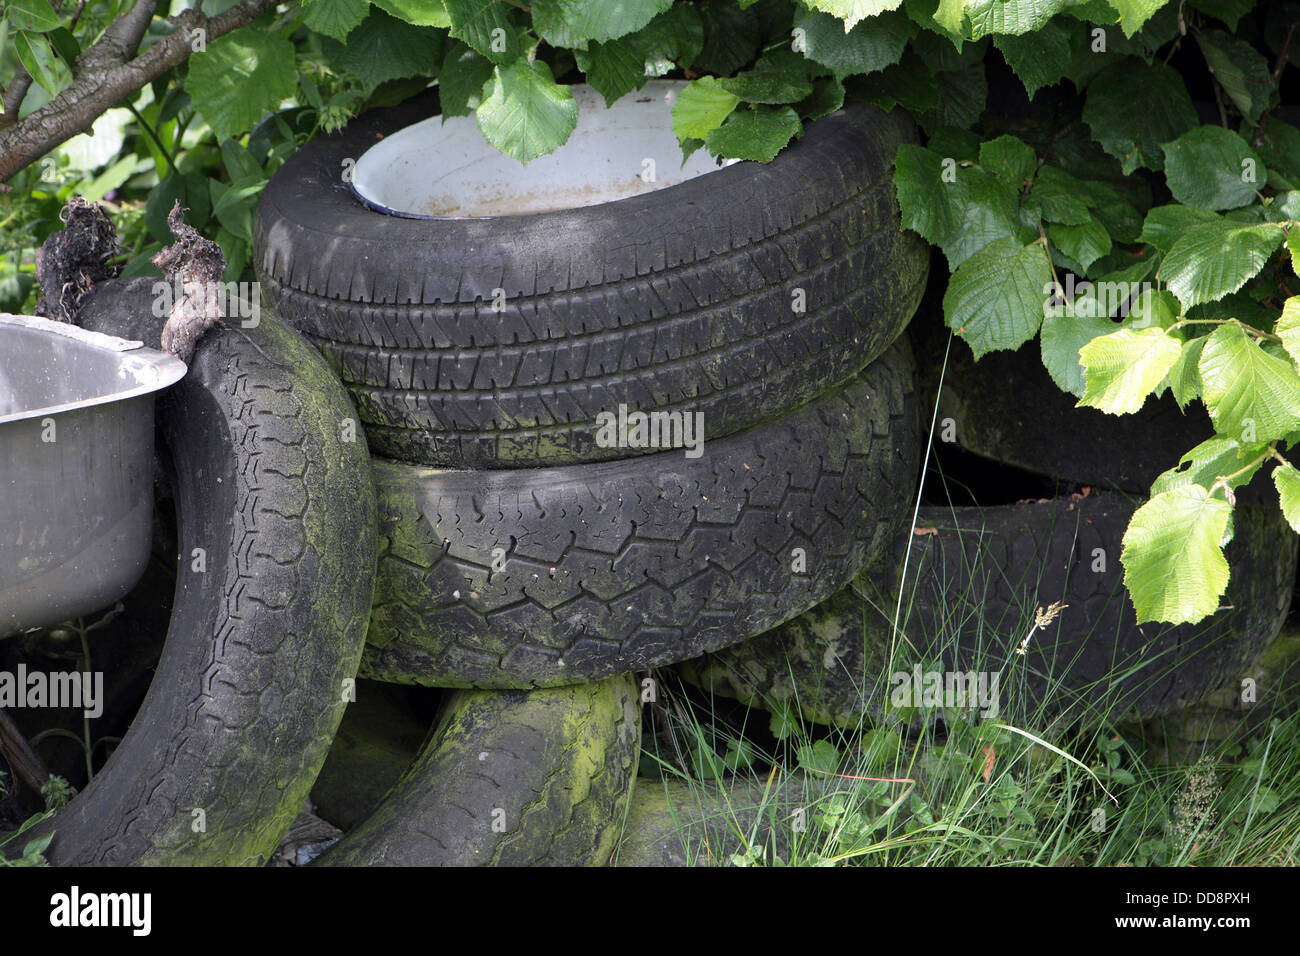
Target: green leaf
1134,13
819,757
617,67
1134,136
1064,333
774,80
572,23
995,298
525,113
422,13
461,80
1288,326
827,97
1211,168
487,27
239,78
701,107
1240,69
1165,225
949,15
1009,16
909,84
1040,58
757,134
1216,258
1251,395
870,46
1287,481
853,12
613,69
334,18
731,38
384,48
1209,461
782,723
1185,376
37,57
960,216
35,16
1124,367
1152,308
1174,568
65,45
1057,196
1009,159
1084,243
1281,151
1229,11
14,290
963,95
239,162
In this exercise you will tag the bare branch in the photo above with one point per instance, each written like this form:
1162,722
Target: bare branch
14,95
105,75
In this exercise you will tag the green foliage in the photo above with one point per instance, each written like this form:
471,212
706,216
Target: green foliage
525,113
1173,562
1197,296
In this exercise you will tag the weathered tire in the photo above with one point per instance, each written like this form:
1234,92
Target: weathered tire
673,823
975,583
679,299
511,778
550,576
250,688
1006,407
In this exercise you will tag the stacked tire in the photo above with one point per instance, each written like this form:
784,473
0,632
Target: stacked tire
973,579
525,558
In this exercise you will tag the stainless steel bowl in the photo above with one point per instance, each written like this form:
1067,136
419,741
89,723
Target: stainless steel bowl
76,468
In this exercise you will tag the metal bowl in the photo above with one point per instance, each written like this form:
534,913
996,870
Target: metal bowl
76,468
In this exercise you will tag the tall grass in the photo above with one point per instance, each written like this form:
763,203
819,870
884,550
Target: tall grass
926,786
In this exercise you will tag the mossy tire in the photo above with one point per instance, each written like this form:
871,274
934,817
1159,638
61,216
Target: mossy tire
544,577
1006,408
741,294
252,682
975,578
511,778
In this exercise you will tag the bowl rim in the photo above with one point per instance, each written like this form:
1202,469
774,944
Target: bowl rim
164,370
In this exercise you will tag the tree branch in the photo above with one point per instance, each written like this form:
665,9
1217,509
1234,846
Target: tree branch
105,75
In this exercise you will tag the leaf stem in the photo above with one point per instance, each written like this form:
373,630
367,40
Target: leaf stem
1224,479
1233,321
144,124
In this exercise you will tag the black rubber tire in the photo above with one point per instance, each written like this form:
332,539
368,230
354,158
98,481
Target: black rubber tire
552,769
1006,408
981,575
677,299
676,823
619,566
251,685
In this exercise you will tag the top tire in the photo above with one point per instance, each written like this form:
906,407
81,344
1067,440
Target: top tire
683,298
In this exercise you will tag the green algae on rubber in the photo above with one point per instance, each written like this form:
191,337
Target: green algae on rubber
511,778
273,487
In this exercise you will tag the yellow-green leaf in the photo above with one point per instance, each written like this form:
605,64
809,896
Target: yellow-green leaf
1174,567
1123,368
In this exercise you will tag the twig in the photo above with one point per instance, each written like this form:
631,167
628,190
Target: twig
26,764
107,73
